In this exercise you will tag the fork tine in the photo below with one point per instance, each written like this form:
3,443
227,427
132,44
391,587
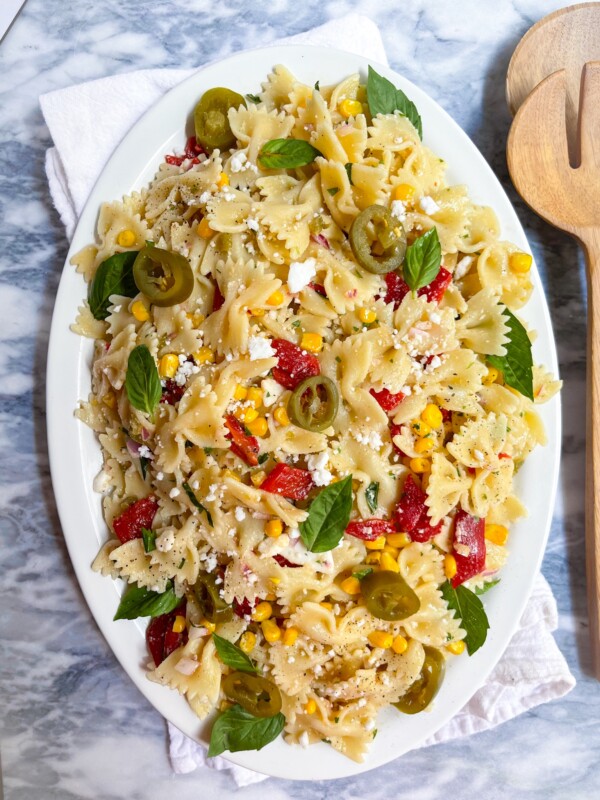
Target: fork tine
589,115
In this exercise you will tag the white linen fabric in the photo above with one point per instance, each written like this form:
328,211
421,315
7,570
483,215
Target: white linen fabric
532,670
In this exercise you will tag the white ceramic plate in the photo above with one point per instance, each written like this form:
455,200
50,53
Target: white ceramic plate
75,453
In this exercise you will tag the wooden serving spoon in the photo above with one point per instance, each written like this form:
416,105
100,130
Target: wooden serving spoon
569,198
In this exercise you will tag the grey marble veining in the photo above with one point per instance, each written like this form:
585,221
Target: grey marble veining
72,724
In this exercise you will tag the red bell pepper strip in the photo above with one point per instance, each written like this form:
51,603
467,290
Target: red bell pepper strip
387,400
283,561
294,365
318,288
395,430
469,532
160,636
138,515
411,513
218,298
290,482
397,289
172,392
370,529
243,608
192,151
243,445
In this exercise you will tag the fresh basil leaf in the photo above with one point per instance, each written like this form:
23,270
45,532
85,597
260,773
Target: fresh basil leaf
196,503
287,154
231,655
142,383
487,586
423,260
254,98
328,517
517,364
236,729
348,168
113,276
384,98
333,190
141,602
362,573
372,495
149,539
471,612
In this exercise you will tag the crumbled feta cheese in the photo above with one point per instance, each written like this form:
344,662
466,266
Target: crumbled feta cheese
398,210
303,739
145,452
371,438
211,562
211,496
301,274
478,455
272,391
165,542
252,224
316,464
102,482
238,161
159,476
463,266
362,702
435,318
175,492
429,205
205,197
240,514
259,347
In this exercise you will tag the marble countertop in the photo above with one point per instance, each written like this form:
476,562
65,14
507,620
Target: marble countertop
72,725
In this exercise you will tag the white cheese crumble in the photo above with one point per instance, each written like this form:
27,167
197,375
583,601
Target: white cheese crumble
398,210
165,542
463,266
259,347
205,197
240,514
145,452
238,161
317,464
371,438
175,492
301,274
478,455
252,224
429,205
101,482
303,739
272,391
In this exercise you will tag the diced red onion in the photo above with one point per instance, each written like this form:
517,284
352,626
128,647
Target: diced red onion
187,666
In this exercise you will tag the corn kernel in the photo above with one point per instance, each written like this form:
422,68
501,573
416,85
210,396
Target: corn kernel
262,611
210,626
271,597
520,263
381,639
349,108
374,557
126,239
255,396
289,636
281,416
432,415
223,180
275,581
140,312
449,566
424,445
240,392
247,414
276,299
388,563
247,642
179,624
325,604
498,534
271,631
491,377
274,528
313,342
257,312
258,477
204,356
366,315
399,539
350,585
203,229
420,465
311,706
404,192
259,427
168,365
420,428
456,648
391,550
110,399
399,644
376,544
196,318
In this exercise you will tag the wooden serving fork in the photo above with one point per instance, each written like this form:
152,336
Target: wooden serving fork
568,197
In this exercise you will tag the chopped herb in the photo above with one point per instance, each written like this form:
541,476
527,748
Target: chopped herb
263,457
181,563
317,86
333,190
149,539
254,98
348,168
196,503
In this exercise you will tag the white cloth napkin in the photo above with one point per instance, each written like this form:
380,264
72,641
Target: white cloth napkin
532,670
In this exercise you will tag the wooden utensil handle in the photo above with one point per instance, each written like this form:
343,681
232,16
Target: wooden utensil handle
591,242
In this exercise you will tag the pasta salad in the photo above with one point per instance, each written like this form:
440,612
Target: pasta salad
312,394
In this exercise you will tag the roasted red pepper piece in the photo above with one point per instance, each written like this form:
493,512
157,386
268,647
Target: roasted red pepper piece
138,515
318,288
172,392
242,444
243,608
290,482
411,513
192,151
395,430
218,298
397,289
160,637
294,365
387,400
283,562
370,529
468,532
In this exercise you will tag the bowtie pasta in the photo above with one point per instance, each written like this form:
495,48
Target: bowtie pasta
311,395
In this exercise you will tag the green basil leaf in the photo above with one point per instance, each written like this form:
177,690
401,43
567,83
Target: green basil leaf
141,602
231,655
348,168
287,154
142,383
254,98
113,276
487,586
384,98
328,517
144,466
517,364
149,539
362,573
196,503
471,612
236,729
372,495
423,260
